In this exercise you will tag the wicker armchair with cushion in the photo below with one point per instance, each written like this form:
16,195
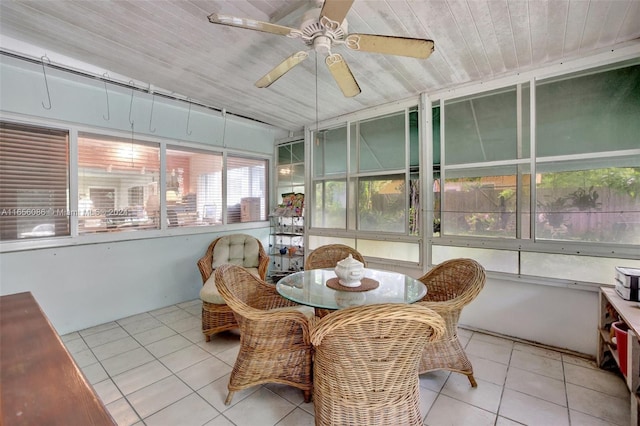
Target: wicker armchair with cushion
451,286
328,255
366,364
275,344
238,249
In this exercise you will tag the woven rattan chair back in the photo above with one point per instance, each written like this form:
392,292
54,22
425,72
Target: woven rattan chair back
366,360
328,255
219,317
451,286
275,344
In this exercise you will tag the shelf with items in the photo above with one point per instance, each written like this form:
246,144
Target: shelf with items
613,309
286,246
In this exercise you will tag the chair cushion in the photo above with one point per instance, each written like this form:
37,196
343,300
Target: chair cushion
238,249
209,291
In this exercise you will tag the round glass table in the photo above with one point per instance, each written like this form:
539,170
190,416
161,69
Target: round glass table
310,288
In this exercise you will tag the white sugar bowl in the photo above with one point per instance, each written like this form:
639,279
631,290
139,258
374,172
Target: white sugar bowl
349,272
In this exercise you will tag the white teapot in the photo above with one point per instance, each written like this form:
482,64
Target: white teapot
349,272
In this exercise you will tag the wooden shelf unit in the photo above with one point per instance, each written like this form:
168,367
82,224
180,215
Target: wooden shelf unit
629,312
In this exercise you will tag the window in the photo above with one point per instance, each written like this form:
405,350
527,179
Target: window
588,173
246,189
577,182
194,187
34,182
117,184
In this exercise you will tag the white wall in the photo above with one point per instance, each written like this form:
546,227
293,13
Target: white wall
86,285
561,317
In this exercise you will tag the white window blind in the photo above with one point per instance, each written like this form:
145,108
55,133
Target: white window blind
34,182
246,189
117,184
194,187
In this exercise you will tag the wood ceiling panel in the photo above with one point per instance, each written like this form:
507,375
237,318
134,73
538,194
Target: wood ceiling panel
171,46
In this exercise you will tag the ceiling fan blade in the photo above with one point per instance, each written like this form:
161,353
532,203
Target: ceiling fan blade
401,46
282,69
250,24
336,10
342,75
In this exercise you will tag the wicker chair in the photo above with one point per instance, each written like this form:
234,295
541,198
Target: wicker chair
328,255
451,285
366,364
275,344
239,249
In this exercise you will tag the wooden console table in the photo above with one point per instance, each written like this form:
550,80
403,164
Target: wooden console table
40,382
629,312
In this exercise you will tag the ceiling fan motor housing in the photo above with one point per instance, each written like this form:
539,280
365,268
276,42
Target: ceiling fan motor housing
313,30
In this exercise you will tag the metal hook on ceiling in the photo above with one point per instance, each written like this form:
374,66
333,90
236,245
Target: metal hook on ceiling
189,117
131,102
106,77
153,101
46,83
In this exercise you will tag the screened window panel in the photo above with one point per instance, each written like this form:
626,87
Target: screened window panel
592,113
414,140
589,204
194,187
330,206
382,203
482,128
297,152
382,143
435,117
117,184
34,182
330,152
246,189
484,203
284,154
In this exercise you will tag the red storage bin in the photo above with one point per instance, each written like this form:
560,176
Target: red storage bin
620,330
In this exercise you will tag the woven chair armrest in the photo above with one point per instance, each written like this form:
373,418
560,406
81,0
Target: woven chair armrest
440,307
205,267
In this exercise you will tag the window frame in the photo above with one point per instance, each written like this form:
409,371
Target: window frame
74,238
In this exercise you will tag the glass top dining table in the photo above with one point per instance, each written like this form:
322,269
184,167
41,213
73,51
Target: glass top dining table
310,288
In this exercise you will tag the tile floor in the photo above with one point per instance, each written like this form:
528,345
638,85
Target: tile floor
155,368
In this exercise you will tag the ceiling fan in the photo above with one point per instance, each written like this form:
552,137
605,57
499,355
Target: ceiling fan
320,30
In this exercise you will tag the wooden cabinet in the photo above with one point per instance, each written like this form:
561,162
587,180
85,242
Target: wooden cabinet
41,383
611,306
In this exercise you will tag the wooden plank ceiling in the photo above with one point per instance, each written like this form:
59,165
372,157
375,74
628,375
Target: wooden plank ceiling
172,46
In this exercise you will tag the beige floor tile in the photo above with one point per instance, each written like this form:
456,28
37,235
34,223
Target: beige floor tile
122,413
434,380
76,345
502,421
216,392
491,351
140,377
488,370
581,419
158,395
537,350
98,328
189,411
154,335
537,364
447,411
221,420
582,362
599,380
496,340
532,411
95,373
146,323
126,361
116,347
107,391
169,345
204,372
297,417
537,385
262,407
427,398
186,357
106,336
187,323
486,395
598,404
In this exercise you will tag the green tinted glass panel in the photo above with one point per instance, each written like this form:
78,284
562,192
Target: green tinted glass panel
297,152
592,113
330,152
382,143
284,154
414,139
482,128
435,116
381,203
